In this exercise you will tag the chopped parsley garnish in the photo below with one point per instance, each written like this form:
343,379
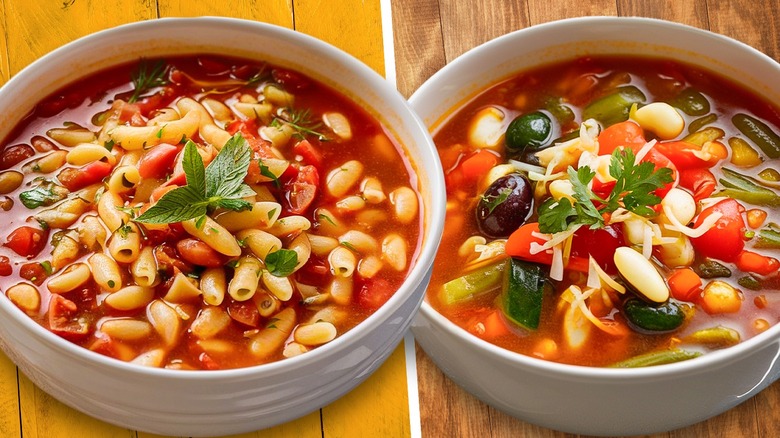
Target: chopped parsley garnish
221,184
281,263
148,76
266,172
634,187
47,267
47,193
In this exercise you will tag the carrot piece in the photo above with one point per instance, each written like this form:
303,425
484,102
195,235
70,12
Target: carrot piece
748,261
494,326
478,164
684,284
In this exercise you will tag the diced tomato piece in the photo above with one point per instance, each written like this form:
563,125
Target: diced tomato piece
168,260
725,240
519,245
27,241
315,272
302,191
625,134
77,178
14,155
33,272
212,66
290,80
600,244
661,161
207,362
5,266
374,293
158,161
199,253
309,154
63,318
478,164
244,312
700,181
686,155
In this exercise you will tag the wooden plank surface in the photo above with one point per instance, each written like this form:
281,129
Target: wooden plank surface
450,27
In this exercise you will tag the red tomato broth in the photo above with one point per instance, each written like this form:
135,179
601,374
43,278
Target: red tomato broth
577,83
79,103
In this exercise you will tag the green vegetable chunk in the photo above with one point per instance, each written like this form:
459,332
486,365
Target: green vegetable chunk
661,318
711,269
701,122
656,358
473,284
524,287
691,102
714,337
614,108
760,133
768,238
530,131
747,189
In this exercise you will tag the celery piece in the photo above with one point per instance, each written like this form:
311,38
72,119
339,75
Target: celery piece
747,189
714,337
613,108
472,284
761,134
768,237
701,122
656,358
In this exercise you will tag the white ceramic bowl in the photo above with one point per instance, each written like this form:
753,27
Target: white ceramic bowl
597,401
187,403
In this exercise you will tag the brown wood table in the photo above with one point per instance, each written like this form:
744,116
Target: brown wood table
430,33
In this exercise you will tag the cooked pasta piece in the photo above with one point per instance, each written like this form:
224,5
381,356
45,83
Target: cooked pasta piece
123,179
25,296
165,321
267,304
144,268
271,338
182,290
279,286
71,136
341,179
260,243
341,289
140,137
110,210
302,247
105,272
350,204
329,224
66,250
64,214
342,262
213,285
206,128
369,266
91,232
218,110
126,329
316,333
360,241
125,243
72,277
210,322
322,245
130,297
46,164
289,225
371,190
152,358
262,215
246,277
86,153
255,110
213,234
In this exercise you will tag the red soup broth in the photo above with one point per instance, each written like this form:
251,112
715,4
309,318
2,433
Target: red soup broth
511,190
128,233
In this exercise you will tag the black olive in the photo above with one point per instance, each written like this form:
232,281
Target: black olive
504,206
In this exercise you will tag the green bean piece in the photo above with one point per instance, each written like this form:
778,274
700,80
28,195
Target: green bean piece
703,136
768,238
714,337
770,175
691,102
711,269
473,284
701,122
763,136
749,282
747,189
614,108
656,358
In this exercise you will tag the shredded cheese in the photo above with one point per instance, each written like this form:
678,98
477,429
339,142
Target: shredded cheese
579,301
709,202
614,285
644,151
530,168
705,226
647,242
556,269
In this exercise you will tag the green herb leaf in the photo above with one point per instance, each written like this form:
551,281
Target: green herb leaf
281,263
494,201
47,267
45,194
300,120
148,76
218,185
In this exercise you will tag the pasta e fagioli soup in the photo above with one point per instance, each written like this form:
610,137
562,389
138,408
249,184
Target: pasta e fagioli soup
611,211
204,212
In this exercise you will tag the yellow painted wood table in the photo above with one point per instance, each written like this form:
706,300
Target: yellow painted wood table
425,35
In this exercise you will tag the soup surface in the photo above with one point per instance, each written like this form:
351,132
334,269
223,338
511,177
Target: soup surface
203,213
611,211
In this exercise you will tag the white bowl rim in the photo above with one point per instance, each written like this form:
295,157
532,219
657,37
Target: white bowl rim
709,360
415,276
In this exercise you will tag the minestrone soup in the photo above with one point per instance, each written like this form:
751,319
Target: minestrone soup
203,213
611,211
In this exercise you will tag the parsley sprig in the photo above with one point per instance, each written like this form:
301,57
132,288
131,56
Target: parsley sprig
148,76
633,190
221,184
